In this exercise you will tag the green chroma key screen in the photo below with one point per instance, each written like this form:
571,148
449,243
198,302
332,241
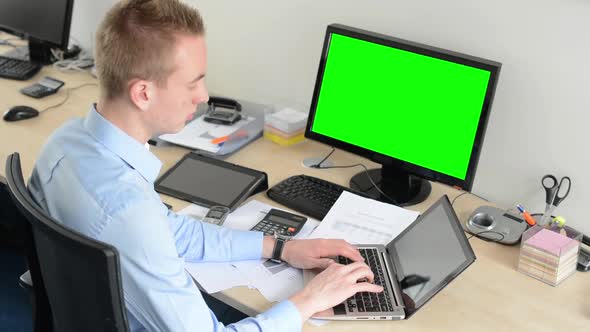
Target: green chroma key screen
409,106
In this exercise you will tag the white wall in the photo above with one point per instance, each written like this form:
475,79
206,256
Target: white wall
86,17
269,50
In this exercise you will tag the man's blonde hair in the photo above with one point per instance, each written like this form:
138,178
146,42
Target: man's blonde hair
136,39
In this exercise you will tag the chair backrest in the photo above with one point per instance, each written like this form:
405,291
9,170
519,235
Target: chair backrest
81,275
41,312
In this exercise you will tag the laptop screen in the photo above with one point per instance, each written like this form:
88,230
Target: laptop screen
430,253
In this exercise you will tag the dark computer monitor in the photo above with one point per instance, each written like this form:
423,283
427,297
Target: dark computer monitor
45,23
418,110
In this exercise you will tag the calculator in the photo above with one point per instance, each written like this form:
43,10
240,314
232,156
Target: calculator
45,87
216,215
282,222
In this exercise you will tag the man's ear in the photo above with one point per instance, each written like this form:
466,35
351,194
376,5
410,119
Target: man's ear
141,93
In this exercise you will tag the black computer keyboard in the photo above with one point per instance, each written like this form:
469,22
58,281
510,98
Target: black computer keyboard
307,194
17,69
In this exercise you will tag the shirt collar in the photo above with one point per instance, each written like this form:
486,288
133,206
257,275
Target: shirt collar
127,148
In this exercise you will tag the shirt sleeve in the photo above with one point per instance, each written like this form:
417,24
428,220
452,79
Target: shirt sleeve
199,241
159,293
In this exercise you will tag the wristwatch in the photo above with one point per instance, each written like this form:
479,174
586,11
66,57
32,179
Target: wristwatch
277,252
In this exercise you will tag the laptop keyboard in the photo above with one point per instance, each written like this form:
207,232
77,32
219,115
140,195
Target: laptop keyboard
365,301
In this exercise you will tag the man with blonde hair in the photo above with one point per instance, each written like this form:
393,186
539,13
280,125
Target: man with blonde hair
96,176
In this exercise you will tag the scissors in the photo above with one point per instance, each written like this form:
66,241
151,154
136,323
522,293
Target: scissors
554,194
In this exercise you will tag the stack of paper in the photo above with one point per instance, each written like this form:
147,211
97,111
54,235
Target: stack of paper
549,256
211,137
285,127
360,220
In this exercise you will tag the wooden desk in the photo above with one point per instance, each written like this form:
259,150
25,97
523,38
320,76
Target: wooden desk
489,296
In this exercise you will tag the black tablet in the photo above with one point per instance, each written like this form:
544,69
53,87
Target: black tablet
208,181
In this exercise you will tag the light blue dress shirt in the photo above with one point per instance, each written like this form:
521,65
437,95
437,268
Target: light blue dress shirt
97,180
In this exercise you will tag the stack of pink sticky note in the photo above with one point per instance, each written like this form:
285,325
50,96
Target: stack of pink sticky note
549,256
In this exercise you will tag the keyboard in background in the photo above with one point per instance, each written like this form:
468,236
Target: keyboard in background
17,69
307,194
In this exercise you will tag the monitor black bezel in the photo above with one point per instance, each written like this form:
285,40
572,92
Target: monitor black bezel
65,37
465,245
492,66
257,183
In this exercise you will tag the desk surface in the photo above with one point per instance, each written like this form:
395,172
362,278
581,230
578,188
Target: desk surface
491,295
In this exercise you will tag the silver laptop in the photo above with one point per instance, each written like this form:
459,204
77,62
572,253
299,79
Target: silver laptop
412,268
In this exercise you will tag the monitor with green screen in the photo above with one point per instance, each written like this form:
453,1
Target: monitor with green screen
418,110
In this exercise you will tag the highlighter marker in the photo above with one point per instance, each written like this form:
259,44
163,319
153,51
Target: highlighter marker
527,217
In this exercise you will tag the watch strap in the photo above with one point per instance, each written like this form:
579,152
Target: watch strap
278,250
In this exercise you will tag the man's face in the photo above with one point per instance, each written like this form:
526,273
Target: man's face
175,103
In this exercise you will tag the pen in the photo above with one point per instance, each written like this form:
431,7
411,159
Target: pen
235,136
527,217
220,140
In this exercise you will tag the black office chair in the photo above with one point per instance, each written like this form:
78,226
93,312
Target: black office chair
21,236
80,276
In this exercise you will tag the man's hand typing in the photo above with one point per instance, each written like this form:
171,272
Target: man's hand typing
333,286
314,253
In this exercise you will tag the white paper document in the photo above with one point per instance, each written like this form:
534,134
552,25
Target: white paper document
198,134
246,216
249,214
215,277
360,220
196,211
275,282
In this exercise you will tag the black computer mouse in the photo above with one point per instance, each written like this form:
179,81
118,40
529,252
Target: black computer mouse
20,112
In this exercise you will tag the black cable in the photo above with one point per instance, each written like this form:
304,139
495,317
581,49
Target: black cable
467,192
486,239
461,194
67,96
319,165
393,201
477,234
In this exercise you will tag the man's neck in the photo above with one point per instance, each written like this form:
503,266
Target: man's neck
124,117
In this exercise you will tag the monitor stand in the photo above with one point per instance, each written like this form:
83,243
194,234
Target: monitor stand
404,188
39,52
